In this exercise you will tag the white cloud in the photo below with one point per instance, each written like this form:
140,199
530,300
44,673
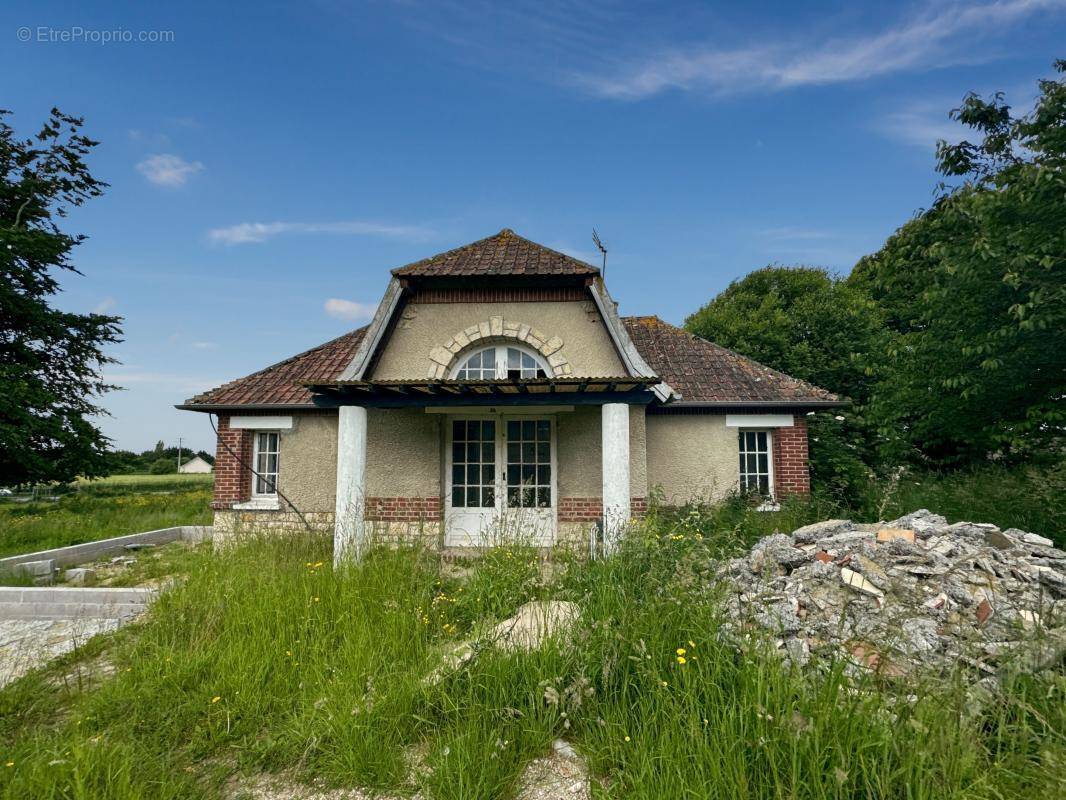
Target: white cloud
203,345
349,310
930,39
249,232
105,305
166,169
922,125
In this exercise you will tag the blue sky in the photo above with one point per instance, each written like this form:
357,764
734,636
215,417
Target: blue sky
271,161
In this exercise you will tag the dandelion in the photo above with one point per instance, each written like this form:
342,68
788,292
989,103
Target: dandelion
215,699
9,764
681,651
627,738
682,660
692,644
315,599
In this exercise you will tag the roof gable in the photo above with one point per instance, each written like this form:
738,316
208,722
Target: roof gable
704,372
503,254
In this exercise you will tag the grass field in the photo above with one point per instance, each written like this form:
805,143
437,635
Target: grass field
269,661
102,508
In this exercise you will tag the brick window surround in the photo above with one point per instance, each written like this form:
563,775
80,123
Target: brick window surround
232,483
791,471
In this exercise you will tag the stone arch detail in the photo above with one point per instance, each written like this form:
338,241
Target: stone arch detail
495,328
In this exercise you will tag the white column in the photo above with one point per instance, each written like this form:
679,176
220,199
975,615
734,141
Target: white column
348,526
615,429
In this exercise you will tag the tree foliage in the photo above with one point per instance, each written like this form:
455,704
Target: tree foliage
50,359
976,289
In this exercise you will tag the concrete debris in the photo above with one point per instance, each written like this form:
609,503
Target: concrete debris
897,596
79,576
533,623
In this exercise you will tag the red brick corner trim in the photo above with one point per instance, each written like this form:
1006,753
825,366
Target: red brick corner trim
402,509
792,474
232,481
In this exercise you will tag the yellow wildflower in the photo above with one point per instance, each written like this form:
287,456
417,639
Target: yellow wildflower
681,651
627,738
215,699
681,660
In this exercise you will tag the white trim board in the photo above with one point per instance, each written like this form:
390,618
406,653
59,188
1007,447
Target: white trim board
759,421
261,423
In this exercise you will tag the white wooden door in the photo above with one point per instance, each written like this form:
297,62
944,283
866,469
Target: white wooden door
501,481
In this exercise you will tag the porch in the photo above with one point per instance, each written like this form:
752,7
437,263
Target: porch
499,455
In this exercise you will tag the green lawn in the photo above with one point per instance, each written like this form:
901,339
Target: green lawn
267,660
101,508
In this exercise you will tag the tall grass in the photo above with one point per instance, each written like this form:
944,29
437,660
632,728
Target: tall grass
267,660
1028,497
99,509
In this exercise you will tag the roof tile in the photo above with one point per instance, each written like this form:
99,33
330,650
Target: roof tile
702,371
505,253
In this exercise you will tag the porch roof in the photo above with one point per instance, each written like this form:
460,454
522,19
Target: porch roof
518,392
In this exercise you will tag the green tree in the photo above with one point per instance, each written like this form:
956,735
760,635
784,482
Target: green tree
50,360
813,326
976,289
163,466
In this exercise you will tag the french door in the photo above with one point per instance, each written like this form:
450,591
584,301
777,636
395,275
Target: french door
500,480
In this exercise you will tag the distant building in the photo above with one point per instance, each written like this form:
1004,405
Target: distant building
195,465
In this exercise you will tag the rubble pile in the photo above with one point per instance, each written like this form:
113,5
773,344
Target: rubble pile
896,596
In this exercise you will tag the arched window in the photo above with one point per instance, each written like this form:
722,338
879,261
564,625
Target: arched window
501,362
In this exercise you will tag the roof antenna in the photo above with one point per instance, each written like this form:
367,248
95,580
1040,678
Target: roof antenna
603,249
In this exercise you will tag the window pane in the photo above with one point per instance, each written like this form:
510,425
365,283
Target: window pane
472,497
458,430
514,452
457,474
529,497
544,474
528,473
514,359
544,452
458,495
472,452
487,474
544,497
512,497
488,430
544,430
514,474
529,452
488,453
764,484
528,429
763,464
458,449
488,497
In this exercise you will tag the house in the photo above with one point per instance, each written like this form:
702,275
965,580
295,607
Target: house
195,465
497,390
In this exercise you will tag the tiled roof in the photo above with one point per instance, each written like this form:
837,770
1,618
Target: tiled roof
505,253
280,384
705,372
698,369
